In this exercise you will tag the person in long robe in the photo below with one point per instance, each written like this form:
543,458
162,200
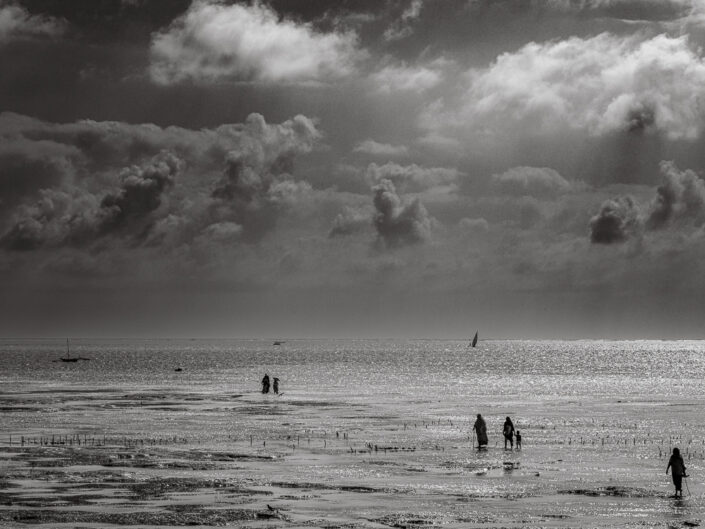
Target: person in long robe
675,463
481,431
265,383
508,432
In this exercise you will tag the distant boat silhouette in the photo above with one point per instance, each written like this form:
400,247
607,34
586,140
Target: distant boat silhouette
474,340
68,357
278,342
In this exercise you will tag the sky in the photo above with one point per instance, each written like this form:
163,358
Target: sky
387,168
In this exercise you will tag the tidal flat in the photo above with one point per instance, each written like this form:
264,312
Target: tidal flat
110,443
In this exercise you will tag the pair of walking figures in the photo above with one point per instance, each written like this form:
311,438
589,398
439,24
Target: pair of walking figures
480,428
265,384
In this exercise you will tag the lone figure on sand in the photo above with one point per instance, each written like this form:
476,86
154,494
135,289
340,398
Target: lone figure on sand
675,463
265,383
508,432
481,429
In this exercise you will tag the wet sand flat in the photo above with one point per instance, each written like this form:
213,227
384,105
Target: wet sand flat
214,454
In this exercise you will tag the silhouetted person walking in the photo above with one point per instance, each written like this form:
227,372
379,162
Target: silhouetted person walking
481,430
275,386
265,383
675,463
518,437
508,432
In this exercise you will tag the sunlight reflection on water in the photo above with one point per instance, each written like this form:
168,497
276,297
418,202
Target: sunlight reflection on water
594,415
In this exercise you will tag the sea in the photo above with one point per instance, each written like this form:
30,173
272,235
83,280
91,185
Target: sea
364,433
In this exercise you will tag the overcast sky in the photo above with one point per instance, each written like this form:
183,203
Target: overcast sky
420,168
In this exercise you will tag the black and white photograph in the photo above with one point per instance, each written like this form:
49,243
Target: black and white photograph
352,264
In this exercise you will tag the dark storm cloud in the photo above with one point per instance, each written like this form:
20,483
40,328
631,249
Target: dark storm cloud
83,194
101,144
398,224
618,219
680,197
255,183
249,171
141,192
26,166
78,217
679,202
50,220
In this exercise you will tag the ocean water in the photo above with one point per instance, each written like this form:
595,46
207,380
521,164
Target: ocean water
377,433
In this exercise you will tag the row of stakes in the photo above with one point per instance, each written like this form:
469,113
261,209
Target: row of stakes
76,439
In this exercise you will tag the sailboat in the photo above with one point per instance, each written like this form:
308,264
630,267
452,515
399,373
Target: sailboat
474,340
68,357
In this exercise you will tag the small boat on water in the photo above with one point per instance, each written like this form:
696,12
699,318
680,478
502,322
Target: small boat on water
278,342
474,340
68,357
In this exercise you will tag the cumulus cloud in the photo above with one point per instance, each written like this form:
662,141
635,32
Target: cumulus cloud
92,146
679,201
214,42
349,222
256,182
68,189
478,225
600,84
34,224
223,231
96,144
412,178
680,197
17,23
375,148
617,220
402,27
398,224
533,181
140,193
392,79
80,217
27,166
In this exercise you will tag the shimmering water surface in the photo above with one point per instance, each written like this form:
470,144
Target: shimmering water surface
377,433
